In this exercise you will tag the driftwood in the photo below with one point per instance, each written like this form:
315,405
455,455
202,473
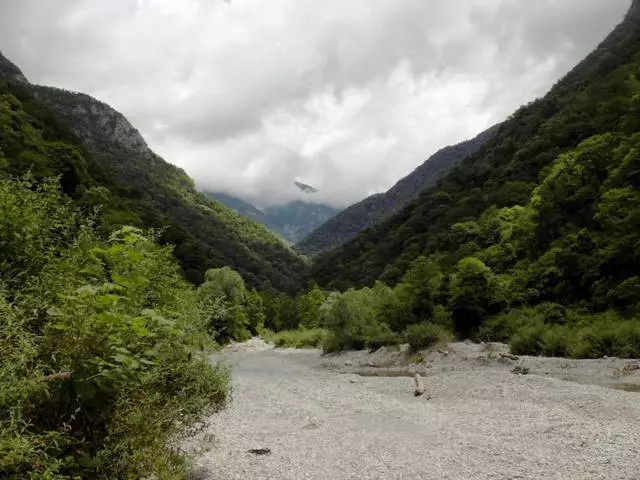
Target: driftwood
419,390
260,451
509,356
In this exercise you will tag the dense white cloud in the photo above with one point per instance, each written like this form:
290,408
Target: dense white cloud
249,95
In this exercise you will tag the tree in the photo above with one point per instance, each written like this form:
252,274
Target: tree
254,308
471,295
223,294
225,283
308,307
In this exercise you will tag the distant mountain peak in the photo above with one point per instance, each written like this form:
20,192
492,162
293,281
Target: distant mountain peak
304,187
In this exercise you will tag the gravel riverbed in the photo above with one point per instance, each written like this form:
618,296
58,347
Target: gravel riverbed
354,416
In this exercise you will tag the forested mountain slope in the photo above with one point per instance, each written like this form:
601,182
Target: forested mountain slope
105,162
357,217
547,210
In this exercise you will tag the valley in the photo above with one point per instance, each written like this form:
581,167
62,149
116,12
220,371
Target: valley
139,310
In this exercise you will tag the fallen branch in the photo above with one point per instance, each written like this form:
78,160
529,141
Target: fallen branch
509,356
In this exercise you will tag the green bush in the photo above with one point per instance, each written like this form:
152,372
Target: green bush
425,335
352,317
301,338
607,335
501,328
335,342
557,341
539,338
104,347
383,338
529,340
441,316
582,336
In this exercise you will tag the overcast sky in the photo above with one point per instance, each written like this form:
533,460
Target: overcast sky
346,95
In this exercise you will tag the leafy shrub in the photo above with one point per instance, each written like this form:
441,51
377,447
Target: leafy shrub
583,336
383,338
607,335
233,312
441,316
425,335
529,340
553,313
301,338
501,328
557,341
353,317
104,347
335,342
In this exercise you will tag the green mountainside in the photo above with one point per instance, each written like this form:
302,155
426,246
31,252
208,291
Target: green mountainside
371,210
105,162
550,204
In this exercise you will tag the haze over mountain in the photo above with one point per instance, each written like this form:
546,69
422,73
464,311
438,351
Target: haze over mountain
248,96
291,221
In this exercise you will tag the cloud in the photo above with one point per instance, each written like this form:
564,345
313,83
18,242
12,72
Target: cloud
248,95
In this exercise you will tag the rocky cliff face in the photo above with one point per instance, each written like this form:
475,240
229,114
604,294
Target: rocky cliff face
10,71
99,125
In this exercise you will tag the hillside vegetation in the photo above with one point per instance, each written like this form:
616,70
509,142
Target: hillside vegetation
104,343
108,165
104,346
546,213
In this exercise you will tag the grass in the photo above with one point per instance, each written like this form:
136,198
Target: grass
301,338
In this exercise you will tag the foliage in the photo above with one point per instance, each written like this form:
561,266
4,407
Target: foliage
300,338
425,335
354,319
233,312
104,346
547,211
522,150
553,330
105,164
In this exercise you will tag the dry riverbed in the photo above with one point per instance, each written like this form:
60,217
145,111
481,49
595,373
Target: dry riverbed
302,415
